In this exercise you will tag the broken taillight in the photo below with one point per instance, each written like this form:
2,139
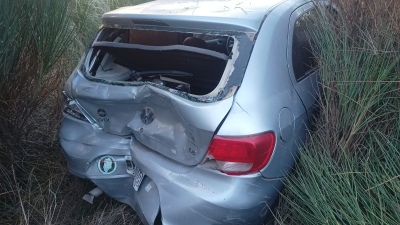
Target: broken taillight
243,154
71,108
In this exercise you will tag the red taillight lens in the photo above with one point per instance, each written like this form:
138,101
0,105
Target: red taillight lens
242,155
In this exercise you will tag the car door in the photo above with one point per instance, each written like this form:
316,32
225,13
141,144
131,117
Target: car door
301,60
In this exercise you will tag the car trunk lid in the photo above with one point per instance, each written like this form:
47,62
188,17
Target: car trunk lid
165,122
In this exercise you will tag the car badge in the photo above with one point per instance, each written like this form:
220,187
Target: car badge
101,112
147,115
107,165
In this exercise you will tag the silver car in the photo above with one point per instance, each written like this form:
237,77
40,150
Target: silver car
192,112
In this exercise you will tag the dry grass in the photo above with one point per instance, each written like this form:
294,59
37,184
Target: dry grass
40,44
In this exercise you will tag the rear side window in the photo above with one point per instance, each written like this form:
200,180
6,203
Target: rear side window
303,60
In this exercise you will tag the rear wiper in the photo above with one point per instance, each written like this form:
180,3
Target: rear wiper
137,74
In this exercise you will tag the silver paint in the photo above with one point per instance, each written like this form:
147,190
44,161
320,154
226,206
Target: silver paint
170,149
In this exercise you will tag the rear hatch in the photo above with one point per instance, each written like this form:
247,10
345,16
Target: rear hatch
170,90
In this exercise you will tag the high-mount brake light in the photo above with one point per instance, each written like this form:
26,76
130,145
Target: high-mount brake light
241,155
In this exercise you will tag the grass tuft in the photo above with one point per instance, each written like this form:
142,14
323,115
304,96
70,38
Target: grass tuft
349,172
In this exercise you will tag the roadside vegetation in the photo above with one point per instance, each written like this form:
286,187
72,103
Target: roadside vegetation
40,44
348,173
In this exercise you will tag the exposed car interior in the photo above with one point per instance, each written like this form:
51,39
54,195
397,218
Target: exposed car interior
192,63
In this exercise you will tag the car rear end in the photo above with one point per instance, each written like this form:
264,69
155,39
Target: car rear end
142,115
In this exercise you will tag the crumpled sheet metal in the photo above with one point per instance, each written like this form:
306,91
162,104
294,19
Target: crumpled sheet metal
181,129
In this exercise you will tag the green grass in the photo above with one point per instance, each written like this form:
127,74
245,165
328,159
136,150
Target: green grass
349,172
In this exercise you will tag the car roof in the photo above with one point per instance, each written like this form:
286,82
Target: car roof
222,15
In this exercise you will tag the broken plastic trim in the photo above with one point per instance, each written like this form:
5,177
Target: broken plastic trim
74,109
160,48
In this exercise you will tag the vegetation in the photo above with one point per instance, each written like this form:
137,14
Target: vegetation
349,172
40,43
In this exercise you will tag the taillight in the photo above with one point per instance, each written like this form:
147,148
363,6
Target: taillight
73,111
71,108
241,154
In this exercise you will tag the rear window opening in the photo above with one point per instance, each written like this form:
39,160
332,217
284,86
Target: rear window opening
195,63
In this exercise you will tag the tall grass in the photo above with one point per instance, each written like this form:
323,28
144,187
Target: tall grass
349,173
36,36
40,43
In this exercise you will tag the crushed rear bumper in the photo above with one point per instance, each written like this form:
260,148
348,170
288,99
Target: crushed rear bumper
180,194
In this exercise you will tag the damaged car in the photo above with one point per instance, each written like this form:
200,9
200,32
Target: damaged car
192,112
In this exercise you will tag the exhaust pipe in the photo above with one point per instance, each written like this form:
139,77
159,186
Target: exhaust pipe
96,192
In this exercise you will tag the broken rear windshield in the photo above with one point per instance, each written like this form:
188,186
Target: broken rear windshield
200,66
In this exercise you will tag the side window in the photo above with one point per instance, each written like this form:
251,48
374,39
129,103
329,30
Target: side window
303,60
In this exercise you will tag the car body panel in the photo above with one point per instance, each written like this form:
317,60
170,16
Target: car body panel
271,79
183,193
227,15
165,133
181,130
